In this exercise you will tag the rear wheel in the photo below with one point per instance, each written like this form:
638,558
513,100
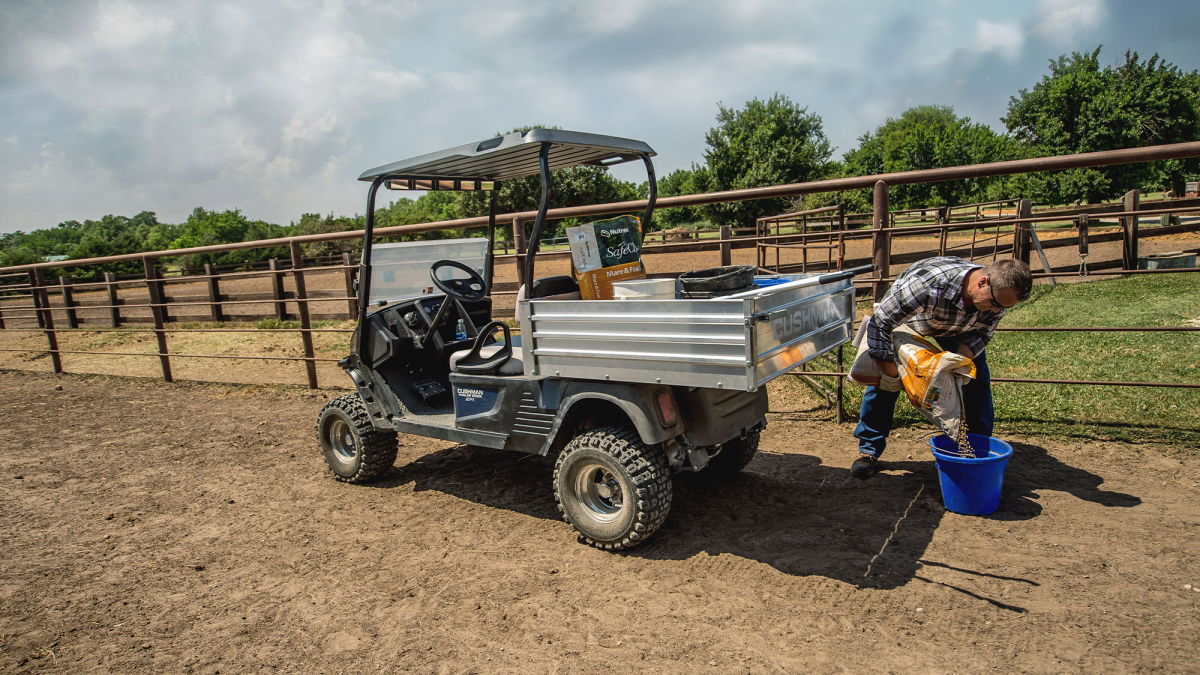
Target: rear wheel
355,450
734,456
611,488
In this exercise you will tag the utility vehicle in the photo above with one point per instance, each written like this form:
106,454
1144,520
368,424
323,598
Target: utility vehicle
623,392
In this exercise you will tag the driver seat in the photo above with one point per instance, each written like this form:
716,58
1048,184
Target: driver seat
514,366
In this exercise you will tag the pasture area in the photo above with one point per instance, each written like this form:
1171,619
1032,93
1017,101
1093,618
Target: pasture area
193,528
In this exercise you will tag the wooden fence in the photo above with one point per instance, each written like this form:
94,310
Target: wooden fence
149,300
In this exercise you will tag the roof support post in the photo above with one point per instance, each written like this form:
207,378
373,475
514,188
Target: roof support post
489,263
540,222
364,269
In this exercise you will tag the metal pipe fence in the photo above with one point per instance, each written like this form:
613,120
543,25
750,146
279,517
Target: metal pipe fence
830,233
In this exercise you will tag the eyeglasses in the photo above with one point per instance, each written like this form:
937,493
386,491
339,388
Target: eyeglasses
995,302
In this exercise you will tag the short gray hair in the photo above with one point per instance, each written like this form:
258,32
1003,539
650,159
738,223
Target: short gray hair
1010,273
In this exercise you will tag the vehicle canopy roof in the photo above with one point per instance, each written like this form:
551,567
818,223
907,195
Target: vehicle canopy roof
509,156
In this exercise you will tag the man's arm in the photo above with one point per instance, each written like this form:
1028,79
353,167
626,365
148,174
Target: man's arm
906,298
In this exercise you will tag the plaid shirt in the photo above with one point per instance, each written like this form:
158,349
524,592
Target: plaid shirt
928,297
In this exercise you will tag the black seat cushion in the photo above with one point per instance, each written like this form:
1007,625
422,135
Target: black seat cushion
554,286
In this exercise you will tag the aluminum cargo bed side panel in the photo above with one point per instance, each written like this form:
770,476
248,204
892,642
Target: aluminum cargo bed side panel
701,343
790,330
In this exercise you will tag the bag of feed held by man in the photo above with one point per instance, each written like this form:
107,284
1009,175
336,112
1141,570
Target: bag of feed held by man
606,251
932,378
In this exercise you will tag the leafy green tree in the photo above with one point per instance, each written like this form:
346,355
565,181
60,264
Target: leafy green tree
313,223
678,182
928,137
1081,107
209,228
770,142
19,255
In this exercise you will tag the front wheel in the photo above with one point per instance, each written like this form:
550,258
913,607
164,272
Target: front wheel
355,450
613,489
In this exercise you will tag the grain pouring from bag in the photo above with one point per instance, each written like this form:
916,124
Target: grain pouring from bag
606,251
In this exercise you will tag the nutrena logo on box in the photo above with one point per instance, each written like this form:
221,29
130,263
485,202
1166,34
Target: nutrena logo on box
606,251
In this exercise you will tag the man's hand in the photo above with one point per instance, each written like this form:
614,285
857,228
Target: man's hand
966,351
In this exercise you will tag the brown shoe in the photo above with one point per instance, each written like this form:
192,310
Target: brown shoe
864,466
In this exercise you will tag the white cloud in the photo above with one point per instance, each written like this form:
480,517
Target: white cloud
1064,18
120,25
778,55
1003,38
276,109
611,15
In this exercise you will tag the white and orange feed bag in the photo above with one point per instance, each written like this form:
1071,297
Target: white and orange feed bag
933,379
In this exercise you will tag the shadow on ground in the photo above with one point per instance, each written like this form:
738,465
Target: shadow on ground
789,511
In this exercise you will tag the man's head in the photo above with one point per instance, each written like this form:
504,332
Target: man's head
1000,285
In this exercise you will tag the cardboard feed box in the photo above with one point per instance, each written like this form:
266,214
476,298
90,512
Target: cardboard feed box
606,251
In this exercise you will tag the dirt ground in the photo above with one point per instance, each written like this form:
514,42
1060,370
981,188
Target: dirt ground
193,528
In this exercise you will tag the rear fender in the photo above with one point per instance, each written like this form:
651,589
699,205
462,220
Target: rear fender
636,402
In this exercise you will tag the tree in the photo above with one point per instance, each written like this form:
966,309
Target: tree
313,223
19,255
678,182
929,137
770,142
1081,107
208,228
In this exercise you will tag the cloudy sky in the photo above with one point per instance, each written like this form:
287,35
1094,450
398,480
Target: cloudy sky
120,106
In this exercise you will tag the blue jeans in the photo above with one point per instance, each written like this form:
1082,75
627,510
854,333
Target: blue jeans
875,416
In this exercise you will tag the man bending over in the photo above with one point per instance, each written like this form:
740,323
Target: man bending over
956,302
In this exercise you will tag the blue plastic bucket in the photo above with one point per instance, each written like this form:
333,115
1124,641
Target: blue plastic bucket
971,486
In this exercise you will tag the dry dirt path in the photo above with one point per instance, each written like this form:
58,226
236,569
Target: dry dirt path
191,528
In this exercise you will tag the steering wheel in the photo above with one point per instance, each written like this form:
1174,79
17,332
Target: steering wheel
468,290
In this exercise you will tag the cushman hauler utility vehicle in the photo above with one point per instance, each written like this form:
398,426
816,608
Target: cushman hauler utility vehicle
625,392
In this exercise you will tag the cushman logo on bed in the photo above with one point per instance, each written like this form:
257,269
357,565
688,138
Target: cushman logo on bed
802,320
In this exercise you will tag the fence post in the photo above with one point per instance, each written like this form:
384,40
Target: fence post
37,301
310,366
840,381
1130,234
881,240
37,279
1022,240
64,284
943,219
162,296
214,294
114,312
348,268
804,243
277,289
519,242
726,246
159,313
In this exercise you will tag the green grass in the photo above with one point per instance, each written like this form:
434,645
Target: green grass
272,323
1131,414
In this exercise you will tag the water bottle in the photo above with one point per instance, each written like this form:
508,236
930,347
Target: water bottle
460,331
